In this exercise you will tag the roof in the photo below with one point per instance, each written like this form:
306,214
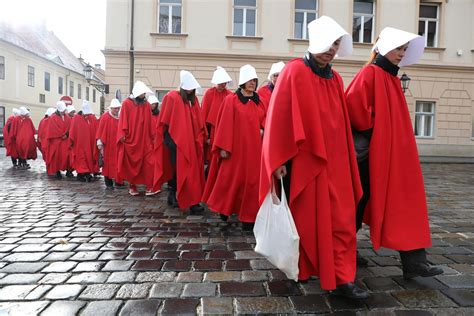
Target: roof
41,42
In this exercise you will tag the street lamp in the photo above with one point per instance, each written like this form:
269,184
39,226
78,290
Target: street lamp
89,74
405,82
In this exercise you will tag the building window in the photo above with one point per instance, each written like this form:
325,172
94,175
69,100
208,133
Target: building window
305,12
47,81
245,14
2,67
79,91
160,94
31,76
169,17
424,118
428,24
60,85
93,95
87,93
2,122
363,21
71,89
42,98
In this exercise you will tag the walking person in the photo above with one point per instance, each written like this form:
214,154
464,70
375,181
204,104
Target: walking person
57,136
232,185
24,137
308,142
135,137
184,132
394,201
107,144
265,92
10,145
42,129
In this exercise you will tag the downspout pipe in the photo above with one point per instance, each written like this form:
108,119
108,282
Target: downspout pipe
132,49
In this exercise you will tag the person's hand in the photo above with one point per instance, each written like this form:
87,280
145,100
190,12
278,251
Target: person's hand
208,141
224,154
122,140
261,132
280,172
64,136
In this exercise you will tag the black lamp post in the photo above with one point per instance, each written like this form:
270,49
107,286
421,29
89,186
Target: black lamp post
89,75
405,82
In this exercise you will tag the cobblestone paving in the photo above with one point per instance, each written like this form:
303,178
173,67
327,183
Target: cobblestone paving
75,248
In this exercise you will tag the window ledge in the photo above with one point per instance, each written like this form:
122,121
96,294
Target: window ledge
298,40
238,37
169,35
435,49
363,45
425,137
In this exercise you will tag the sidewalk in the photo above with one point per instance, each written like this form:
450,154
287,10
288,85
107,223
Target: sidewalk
68,247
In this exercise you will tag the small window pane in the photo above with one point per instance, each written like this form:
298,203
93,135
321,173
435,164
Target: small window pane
428,11
248,3
299,19
71,89
79,91
47,81
31,76
431,34
176,20
367,29
305,4
93,95
250,29
60,85
2,67
356,26
164,20
363,7
87,93
238,21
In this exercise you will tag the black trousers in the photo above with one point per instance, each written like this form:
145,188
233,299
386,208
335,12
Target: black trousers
169,142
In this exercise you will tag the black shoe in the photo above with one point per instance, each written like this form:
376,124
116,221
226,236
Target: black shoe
248,227
69,174
119,185
58,175
224,217
196,209
172,201
361,261
421,269
81,177
350,290
88,177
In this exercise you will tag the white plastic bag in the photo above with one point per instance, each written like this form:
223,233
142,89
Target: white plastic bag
276,234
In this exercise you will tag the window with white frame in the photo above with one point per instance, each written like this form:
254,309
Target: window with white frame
31,76
87,93
2,67
42,98
71,89
79,91
93,95
429,23
169,19
47,81
424,118
363,21
305,12
245,17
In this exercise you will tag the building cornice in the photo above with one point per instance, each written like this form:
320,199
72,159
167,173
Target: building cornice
271,58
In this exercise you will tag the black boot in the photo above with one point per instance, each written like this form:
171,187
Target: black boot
109,183
69,174
81,177
58,175
172,201
196,209
224,217
415,264
14,162
350,290
120,185
88,177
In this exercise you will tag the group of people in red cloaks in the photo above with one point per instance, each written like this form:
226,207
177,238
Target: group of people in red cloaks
345,157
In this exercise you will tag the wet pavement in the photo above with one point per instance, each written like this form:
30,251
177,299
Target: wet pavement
69,248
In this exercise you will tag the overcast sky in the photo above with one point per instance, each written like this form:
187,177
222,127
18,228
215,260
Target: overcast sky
79,24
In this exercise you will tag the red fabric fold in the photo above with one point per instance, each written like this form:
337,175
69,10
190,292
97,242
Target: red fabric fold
107,133
24,136
58,148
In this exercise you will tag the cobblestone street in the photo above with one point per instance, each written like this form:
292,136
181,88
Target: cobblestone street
69,248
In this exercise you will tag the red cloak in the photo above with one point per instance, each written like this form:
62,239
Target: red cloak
93,126
7,139
135,154
396,212
186,127
211,104
82,145
232,184
58,148
24,136
307,123
264,93
163,170
42,142
107,133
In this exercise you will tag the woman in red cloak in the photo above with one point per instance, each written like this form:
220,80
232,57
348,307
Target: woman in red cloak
183,129
308,142
24,136
394,202
232,185
265,92
10,145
